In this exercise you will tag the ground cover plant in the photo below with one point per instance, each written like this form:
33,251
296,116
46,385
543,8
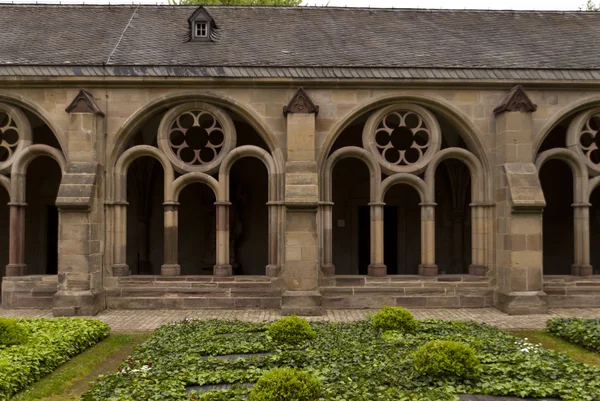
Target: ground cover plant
349,361
36,347
585,332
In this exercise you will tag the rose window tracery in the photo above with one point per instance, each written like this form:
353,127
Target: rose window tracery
15,134
403,138
196,137
589,139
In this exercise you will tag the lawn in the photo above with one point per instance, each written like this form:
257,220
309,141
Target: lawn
32,348
200,360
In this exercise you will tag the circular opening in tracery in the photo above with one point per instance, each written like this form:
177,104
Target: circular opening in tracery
421,138
206,120
176,138
3,119
186,121
402,138
412,155
4,154
187,155
11,136
411,120
216,138
196,138
391,120
392,155
207,155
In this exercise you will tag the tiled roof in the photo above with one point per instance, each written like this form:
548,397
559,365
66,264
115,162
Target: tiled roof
304,41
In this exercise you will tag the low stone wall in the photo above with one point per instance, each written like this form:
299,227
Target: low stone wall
443,291
193,292
34,292
572,291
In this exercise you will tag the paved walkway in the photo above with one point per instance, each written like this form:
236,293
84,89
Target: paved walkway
146,320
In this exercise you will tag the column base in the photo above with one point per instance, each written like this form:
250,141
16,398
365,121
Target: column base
170,270
582,270
478,270
120,270
273,270
16,269
301,303
328,270
522,302
79,303
377,270
222,271
428,270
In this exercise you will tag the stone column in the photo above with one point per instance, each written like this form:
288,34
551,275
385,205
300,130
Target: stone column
16,252
120,267
273,211
81,213
479,218
170,266
223,267
520,202
428,266
377,267
581,218
327,266
300,273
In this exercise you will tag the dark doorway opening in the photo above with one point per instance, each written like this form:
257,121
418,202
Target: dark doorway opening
390,239
52,240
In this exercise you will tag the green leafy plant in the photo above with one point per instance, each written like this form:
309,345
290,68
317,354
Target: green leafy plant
51,343
447,358
11,333
394,318
584,332
286,384
291,330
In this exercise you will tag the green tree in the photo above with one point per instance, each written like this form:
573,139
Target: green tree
283,3
591,6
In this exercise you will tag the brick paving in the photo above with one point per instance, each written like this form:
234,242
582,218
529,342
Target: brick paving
147,320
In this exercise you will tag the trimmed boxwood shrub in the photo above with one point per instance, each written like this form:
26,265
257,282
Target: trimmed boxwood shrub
447,358
291,330
11,333
394,318
51,342
584,332
286,384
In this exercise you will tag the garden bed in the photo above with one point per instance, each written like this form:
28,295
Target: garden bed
584,332
353,361
45,345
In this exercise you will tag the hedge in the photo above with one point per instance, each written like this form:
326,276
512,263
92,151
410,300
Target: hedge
49,344
584,332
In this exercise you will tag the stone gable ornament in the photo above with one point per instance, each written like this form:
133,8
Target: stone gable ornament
516,100
301,104
84,103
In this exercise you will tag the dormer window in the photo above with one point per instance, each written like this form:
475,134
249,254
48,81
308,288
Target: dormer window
201,29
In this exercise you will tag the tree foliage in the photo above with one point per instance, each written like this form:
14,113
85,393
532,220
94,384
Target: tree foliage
591,6
282,3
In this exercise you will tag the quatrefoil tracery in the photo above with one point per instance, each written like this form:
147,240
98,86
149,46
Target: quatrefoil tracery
402,137
196,137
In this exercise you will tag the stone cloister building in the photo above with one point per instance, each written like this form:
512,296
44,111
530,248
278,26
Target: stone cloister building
298,158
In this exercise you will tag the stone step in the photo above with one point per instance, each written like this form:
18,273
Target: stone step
151,302
301,303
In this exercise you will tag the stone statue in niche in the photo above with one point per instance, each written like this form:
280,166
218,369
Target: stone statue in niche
236,227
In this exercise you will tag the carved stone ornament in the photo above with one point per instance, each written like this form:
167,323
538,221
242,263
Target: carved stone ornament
403,138
15,134
84,103
196,137
583,137
300,103
516,100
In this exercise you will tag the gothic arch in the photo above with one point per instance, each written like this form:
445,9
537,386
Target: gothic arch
19,168
570,109
360,154
410,179
128,157
468,130
21,101
578,168
180,183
